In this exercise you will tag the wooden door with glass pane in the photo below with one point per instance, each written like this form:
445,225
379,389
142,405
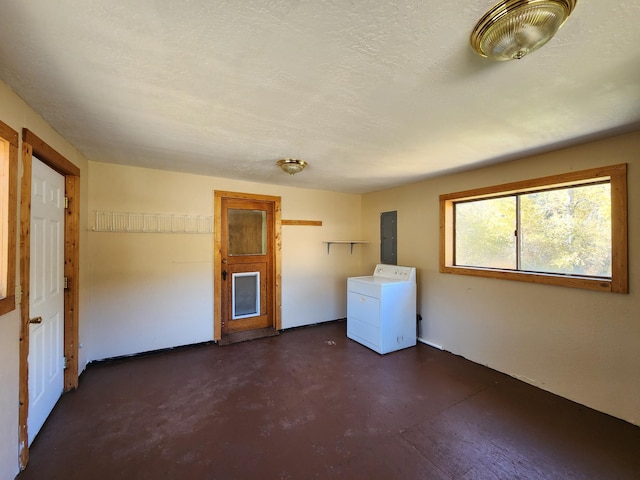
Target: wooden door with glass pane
245,264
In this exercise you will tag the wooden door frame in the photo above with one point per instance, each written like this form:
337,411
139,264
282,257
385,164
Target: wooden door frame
217,255
32,145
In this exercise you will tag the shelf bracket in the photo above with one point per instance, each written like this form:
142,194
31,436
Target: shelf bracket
351,244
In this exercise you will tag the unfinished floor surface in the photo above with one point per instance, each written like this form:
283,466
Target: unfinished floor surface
312,404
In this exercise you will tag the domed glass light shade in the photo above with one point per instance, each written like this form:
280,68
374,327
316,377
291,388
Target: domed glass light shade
291,165
515,28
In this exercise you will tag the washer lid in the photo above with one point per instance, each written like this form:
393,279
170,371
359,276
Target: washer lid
395,272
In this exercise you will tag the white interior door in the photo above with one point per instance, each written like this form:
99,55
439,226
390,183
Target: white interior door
46,300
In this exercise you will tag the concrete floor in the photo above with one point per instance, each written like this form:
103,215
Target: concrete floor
311,404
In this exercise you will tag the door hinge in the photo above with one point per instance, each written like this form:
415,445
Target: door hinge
66,282
66,202
64,363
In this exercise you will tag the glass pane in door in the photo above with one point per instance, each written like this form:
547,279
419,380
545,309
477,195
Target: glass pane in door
246,294
247,232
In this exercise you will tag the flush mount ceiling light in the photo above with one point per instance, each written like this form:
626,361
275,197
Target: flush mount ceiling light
292,165
514,28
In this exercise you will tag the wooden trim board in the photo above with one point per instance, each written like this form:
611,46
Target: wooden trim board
310,223
25,247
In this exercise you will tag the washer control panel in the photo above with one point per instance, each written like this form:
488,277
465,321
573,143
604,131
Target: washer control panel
395,272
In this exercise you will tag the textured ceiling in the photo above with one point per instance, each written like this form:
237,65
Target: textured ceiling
372,94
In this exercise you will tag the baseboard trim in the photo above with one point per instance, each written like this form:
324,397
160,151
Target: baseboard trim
431,344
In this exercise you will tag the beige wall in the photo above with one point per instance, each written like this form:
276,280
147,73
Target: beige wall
580,344
18,115
151,291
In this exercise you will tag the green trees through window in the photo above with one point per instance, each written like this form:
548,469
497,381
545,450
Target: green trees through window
568,229
485,233
561,231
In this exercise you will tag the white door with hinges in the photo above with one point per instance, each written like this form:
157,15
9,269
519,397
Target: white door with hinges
46,295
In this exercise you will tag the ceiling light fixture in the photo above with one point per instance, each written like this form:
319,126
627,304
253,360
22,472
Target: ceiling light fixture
514,28
292,165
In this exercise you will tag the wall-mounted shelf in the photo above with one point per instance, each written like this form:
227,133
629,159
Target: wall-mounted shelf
346,242
128,222
308,223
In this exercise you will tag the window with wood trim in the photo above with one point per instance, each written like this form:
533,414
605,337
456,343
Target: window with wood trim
8,213
568,230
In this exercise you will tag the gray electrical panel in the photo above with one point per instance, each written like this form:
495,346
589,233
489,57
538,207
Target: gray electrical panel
389,238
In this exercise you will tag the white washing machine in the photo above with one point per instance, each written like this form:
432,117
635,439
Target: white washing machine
381,308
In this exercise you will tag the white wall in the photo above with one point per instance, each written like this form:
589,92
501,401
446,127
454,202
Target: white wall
580,344
150,291
18,115
9,341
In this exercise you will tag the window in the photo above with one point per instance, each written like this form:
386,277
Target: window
566,229
8,205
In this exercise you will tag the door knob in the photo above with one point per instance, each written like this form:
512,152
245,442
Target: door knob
224,274
36,320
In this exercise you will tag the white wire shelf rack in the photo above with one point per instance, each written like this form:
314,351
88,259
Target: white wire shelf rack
129,222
